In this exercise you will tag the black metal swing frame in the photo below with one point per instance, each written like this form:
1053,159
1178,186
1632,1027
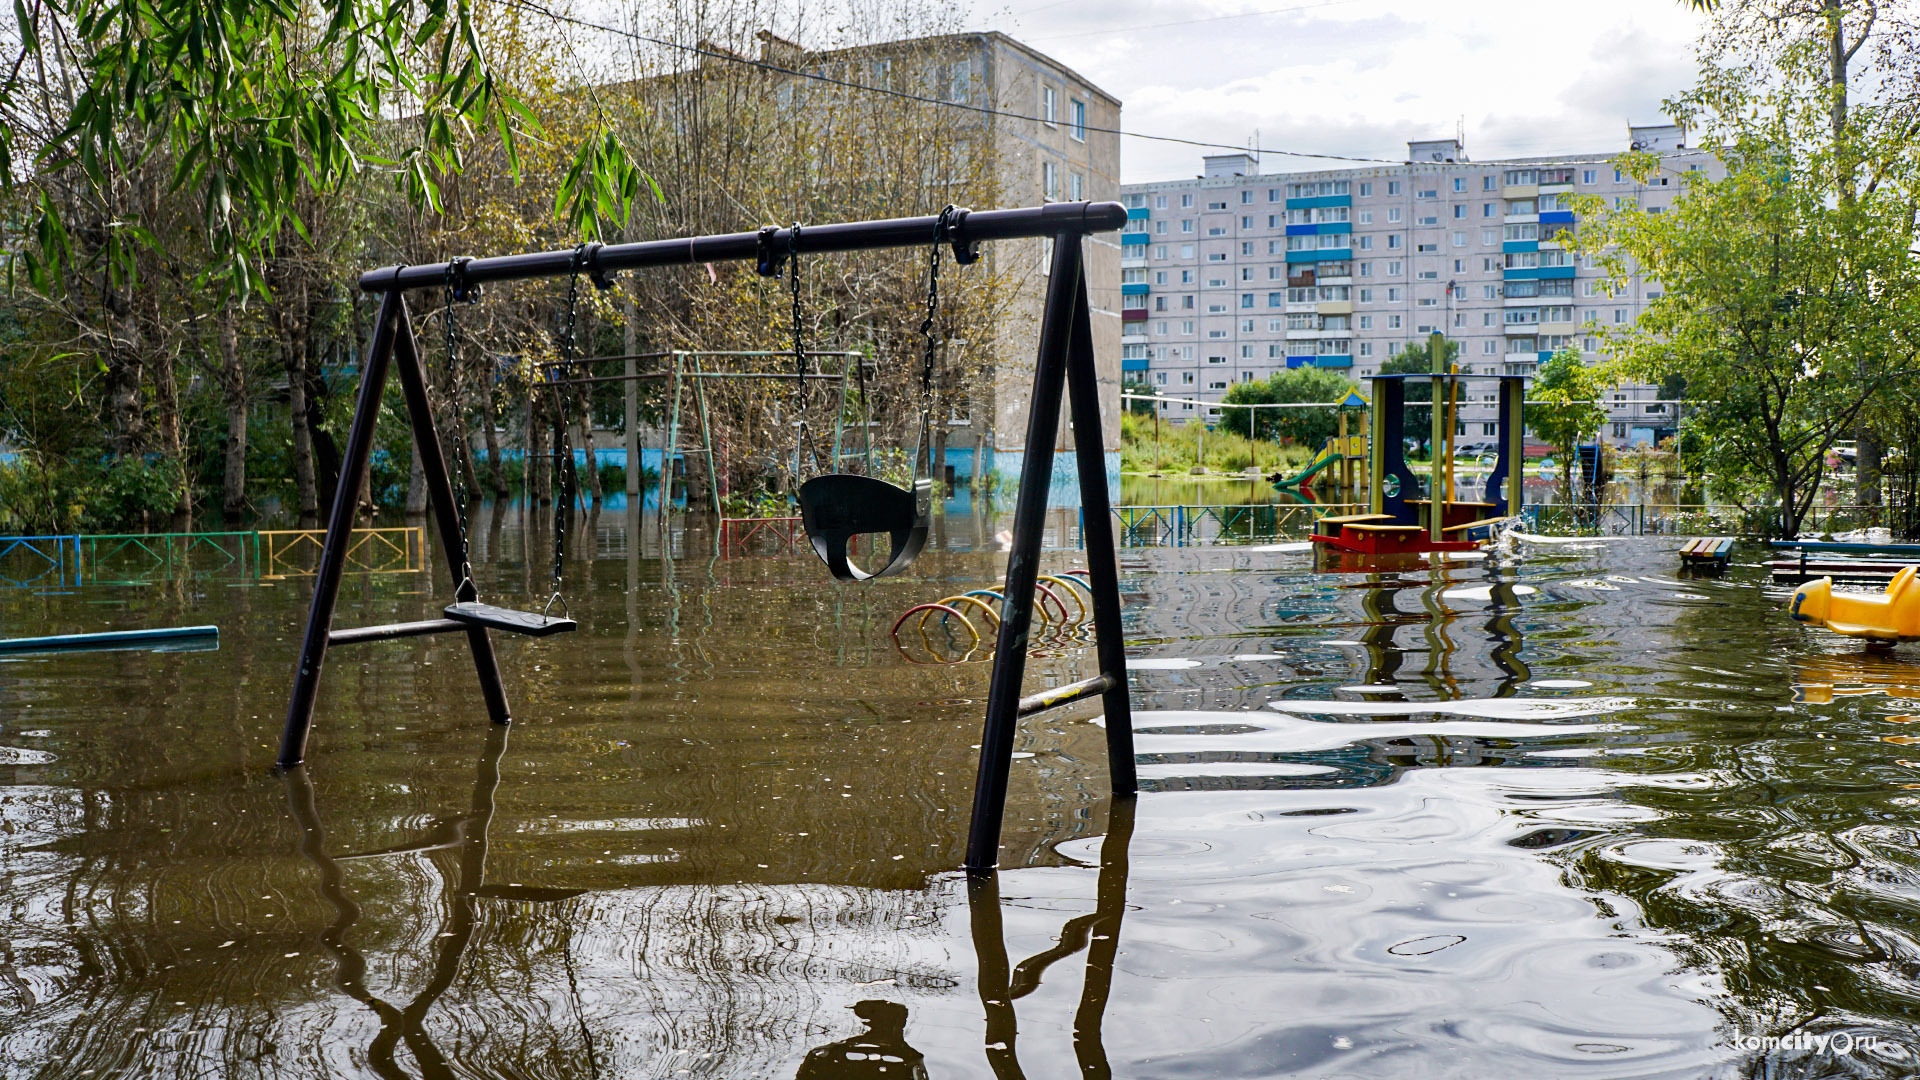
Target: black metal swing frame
1065,365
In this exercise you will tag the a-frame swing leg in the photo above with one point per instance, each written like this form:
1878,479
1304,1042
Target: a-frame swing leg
1066,354
392,342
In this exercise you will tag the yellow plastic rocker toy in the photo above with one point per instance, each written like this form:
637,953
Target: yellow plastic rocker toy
1891,616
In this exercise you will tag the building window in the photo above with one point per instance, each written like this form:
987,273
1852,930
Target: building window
1159,251
1459,240
1159,202
1366,348
1393,241
1490,348
1393,322
1186,225
1366,243
1486,183
1246,300
1393,295
1160,377
1393,187
1186,200
1459,183
1186,326
1273,299
1366,270
1459,212
1079,131
1046,105
1366,322
1245,198
1586,176
1393,214
1186,251
1393,270
1076,186
1049,181
1187,378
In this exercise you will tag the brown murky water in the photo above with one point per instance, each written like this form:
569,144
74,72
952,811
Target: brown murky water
1563,812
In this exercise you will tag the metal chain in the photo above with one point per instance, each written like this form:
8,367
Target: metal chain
465,584
563,446
799,351
926,333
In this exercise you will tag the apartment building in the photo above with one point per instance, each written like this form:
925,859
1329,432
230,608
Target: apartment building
1232,275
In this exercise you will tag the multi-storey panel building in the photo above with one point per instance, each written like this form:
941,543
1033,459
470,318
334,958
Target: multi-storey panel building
1233,275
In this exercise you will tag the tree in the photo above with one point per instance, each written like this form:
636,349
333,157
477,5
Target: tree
1308,427
1565,408
1789,310
1823,39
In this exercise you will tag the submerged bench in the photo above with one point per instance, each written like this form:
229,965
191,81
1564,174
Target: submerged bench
1716,551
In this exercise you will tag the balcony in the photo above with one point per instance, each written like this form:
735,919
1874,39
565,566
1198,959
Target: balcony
1137,213
1336,307
1556,217
1325,361
1520,191
1321,255
1134,288
1128,315
1133,363
1317,201
1133,239
1302,278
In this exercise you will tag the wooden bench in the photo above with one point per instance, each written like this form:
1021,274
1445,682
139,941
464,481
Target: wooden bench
1717,550
1365,527
1348,519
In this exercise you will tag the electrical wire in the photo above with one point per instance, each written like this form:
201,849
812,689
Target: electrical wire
717,54
1192,22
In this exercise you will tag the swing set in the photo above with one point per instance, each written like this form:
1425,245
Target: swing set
834,506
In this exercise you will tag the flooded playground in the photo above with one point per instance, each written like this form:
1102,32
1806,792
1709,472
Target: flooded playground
1563,811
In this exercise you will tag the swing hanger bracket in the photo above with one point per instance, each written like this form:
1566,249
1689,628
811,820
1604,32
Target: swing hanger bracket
769,260
458,287
966,250
588,259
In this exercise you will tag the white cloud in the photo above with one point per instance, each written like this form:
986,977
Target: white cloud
1360,77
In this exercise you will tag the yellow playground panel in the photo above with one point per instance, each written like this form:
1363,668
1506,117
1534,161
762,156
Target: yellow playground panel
296,552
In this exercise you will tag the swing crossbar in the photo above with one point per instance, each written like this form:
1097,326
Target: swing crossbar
1026,222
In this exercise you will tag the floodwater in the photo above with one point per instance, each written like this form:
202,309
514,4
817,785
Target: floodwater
1561,812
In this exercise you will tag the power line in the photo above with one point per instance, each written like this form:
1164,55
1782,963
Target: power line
1192,22
715,54
735,58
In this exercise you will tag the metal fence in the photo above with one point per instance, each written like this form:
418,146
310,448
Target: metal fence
1667,519
296,552
1179,525
44,562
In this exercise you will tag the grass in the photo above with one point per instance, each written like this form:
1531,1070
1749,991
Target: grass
1178,448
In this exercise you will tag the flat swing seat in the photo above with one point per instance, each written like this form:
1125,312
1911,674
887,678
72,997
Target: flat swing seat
836,508
508,620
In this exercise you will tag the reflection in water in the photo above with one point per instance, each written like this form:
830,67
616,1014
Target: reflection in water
467,836
881,1051
1098,933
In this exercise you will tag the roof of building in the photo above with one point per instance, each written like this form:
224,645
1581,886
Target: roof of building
994,36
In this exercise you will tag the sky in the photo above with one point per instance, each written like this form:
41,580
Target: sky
1361,77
